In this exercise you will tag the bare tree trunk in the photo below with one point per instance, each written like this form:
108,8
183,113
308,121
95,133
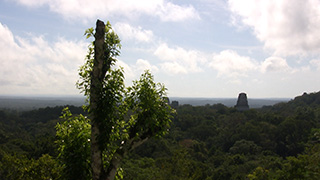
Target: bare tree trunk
97,77
101,64
114,164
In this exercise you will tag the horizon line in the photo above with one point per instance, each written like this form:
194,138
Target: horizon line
82,96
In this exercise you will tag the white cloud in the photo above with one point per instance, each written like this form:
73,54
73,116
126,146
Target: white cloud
171,12
33,66
128,32
143,65
179,60
229,64
173,68
286,27
33,3
85,9
316,63
128,70
133,72
275,64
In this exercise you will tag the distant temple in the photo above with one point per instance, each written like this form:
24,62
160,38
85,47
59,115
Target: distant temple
242,103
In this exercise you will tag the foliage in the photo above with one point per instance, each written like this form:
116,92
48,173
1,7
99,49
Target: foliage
27,149
124,117
111,51
145,113
204,142
22,168
150,111
255,144
73,140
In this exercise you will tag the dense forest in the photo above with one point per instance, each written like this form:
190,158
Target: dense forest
204,142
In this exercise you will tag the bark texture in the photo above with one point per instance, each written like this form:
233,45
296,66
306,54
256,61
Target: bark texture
97,77
101,64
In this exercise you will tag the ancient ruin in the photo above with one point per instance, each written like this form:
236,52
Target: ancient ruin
242,102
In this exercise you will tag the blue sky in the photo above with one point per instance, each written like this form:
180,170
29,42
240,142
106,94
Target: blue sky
199,48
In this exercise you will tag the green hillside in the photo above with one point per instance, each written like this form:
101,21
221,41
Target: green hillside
204,142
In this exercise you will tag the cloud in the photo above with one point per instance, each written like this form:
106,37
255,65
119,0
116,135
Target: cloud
285,27
143,65
32,65
33,3
128,32
84,9
172,12
274,64
173,68
133,72
178,60
316,63
128,70
229,64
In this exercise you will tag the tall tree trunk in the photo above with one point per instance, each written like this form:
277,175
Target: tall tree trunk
97,77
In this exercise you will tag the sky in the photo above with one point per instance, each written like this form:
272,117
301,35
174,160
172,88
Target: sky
197,48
